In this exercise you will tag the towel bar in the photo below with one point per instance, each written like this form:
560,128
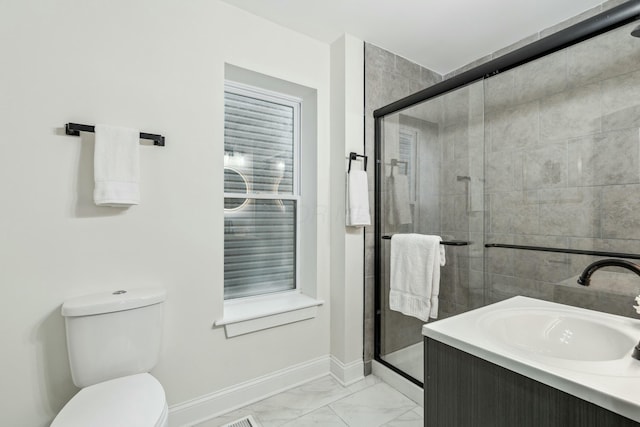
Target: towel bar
74,129
444,242
564,250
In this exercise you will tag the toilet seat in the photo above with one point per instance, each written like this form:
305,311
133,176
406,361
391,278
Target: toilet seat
131,401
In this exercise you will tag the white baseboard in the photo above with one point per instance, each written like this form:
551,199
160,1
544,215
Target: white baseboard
212,405
347,374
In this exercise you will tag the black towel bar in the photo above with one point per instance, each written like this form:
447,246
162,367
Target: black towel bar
444,242
564,250
75,129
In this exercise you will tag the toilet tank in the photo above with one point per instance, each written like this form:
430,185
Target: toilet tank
113,334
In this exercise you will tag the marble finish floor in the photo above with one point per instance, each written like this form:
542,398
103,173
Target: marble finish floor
326,403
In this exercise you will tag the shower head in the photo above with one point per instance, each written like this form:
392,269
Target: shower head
636,31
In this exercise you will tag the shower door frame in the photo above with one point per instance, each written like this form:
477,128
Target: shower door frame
606,21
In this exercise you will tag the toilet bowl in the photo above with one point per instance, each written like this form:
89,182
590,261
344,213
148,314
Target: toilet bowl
131,401
113,341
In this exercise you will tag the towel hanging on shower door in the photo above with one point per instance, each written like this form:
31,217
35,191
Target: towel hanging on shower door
415,274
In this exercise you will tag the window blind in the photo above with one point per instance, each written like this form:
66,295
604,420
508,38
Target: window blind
260,227
407,154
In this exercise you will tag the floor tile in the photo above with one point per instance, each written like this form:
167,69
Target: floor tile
408,419
325,403
323,417
419,410
291,404
373,406
368,381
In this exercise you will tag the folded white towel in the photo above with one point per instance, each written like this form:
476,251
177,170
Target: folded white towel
415,274
357,199
116,166
398,209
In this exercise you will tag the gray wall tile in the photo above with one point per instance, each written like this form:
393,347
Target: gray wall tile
593,300
541,78
503,171
621,101
620,208
514,127
499,91
515,213
545,167
608,158
604,56
407,69
503,287
573,113
570,211
429,78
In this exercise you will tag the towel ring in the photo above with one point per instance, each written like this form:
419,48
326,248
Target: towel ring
354,156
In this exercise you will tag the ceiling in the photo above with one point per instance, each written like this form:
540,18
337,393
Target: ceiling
442,35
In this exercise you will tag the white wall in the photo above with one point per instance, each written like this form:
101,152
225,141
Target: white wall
347,243
158,66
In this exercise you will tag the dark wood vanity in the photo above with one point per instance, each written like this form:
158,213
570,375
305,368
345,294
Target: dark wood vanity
462,390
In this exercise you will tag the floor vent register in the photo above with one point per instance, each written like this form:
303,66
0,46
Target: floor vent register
243,422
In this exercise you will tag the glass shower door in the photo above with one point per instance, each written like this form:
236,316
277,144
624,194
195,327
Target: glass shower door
431,175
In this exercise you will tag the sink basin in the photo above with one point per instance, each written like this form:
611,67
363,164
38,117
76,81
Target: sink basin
558,334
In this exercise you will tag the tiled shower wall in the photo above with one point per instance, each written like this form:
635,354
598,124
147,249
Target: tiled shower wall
563,170
524,194
388,77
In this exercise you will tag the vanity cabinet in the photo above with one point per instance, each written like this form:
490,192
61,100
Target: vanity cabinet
462,390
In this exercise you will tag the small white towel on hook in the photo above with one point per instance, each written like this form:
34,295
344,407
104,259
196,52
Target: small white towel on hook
116,165
357,199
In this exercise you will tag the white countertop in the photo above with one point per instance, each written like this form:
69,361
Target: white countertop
611,384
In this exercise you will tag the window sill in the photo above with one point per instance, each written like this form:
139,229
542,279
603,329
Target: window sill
243,316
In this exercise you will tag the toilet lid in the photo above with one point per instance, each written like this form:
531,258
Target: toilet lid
132,401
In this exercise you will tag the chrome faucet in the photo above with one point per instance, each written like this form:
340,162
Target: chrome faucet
585,278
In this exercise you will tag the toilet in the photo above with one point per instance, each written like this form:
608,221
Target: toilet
113,340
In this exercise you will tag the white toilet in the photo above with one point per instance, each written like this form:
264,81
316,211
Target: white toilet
114,340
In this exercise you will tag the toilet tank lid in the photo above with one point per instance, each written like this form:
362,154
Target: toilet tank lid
108,302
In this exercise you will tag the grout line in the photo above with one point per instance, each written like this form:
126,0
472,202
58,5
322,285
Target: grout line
338,415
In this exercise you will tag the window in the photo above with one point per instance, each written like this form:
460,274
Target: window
261,191
407,157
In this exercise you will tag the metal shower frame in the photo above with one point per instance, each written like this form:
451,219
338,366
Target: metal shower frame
591,27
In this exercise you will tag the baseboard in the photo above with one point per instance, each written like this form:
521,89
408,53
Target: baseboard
347,374
212,405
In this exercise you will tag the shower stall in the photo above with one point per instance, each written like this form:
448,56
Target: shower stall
528,167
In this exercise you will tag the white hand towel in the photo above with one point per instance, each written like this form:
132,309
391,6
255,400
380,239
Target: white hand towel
398,209
357,199
415,275
116,165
